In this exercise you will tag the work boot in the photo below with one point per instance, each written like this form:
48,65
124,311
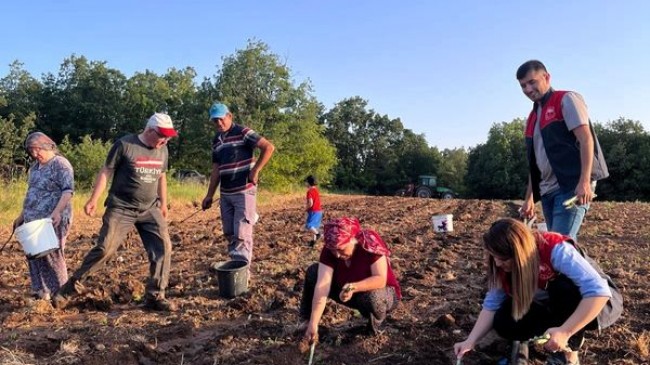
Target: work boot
60,299
160,305
559,358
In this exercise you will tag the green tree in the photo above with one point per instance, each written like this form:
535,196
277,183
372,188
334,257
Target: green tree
258,89
498,169
86,98
18,93
453,168
13,158
626,146
86,157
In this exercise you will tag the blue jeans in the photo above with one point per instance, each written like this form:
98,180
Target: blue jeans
560,219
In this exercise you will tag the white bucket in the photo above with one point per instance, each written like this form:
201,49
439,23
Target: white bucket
37,238
443,223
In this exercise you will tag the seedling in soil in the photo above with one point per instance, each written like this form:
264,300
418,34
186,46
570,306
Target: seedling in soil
311,353
540,340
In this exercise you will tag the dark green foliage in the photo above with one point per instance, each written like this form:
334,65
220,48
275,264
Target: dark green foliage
87,158
626,146
498,169
349,147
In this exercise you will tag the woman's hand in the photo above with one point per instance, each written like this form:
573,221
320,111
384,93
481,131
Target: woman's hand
460,348
346,293
56,218
559,340
311,333
18,221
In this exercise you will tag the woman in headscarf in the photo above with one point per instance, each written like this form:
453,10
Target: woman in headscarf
540,287
50,189
353,270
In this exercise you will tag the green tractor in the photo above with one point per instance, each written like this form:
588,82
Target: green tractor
426,187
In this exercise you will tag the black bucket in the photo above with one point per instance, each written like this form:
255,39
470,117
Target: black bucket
233,278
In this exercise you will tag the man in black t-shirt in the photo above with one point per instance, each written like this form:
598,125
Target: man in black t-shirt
137,197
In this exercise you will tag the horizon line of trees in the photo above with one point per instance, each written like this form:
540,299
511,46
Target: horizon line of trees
87,105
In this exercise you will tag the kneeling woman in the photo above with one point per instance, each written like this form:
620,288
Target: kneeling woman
539,284
353,270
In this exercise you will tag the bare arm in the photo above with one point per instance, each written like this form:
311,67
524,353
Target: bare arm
19,220
100,184
162,194
583,190
56,213
266,149
212,187
482,326
377,280
528,209
587,310
323,285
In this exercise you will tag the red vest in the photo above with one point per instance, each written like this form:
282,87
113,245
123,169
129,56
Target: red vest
545,243
561,146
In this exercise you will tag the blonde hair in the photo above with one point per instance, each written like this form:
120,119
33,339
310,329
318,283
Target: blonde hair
511,239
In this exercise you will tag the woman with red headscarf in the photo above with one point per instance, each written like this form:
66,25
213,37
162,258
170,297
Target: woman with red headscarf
353,270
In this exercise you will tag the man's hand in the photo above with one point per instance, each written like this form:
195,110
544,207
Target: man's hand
90,207
584,193
253,176
206,203
164,210
528,208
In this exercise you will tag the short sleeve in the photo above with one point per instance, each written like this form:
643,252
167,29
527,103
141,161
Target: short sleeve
251,138
65,175
114,155
574,110
327,258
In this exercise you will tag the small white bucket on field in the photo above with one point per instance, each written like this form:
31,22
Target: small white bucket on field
443,223
37,238
542,227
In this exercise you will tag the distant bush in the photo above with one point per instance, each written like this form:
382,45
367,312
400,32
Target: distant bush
87,158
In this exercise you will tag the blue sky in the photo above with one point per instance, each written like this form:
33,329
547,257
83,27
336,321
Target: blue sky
445,68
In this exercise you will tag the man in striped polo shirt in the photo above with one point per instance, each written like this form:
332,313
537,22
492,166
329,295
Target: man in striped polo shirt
235,170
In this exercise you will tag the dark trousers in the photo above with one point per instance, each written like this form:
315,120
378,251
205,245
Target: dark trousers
564,297
374,304
151,226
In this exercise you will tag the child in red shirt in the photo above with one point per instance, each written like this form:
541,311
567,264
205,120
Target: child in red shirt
314,211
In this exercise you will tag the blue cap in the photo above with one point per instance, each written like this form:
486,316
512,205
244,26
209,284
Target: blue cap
218,110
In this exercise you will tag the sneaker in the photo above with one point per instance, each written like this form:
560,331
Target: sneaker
60,299
559,358
160,305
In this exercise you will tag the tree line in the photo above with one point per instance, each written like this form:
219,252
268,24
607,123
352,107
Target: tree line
87,105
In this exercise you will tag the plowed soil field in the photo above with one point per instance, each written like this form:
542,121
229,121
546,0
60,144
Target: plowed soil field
442,278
